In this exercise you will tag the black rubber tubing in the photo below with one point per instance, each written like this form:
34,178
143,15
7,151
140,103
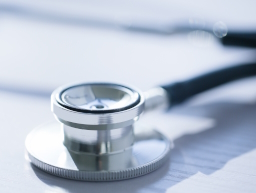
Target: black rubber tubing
240,39
180,91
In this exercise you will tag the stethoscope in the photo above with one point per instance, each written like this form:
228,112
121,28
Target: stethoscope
95,138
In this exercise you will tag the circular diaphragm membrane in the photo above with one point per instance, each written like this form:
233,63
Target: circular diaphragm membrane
98,98
46,151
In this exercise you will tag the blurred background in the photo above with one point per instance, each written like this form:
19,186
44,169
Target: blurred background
45,44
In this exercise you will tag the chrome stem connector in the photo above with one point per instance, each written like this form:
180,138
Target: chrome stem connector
156,98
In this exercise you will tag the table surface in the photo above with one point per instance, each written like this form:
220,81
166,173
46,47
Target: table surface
214,133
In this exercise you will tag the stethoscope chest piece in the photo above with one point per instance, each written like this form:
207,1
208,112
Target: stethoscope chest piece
95,138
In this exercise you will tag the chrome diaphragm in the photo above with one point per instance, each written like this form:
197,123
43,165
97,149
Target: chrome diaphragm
97,106
98,98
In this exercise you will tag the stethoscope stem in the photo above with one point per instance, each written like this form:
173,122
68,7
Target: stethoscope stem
156,98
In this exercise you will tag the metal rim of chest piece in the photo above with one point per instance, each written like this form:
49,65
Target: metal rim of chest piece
95,138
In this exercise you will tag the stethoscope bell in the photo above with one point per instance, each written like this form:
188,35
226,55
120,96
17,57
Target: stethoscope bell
95,138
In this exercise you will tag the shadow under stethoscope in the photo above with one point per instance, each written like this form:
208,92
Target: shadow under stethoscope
207,151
